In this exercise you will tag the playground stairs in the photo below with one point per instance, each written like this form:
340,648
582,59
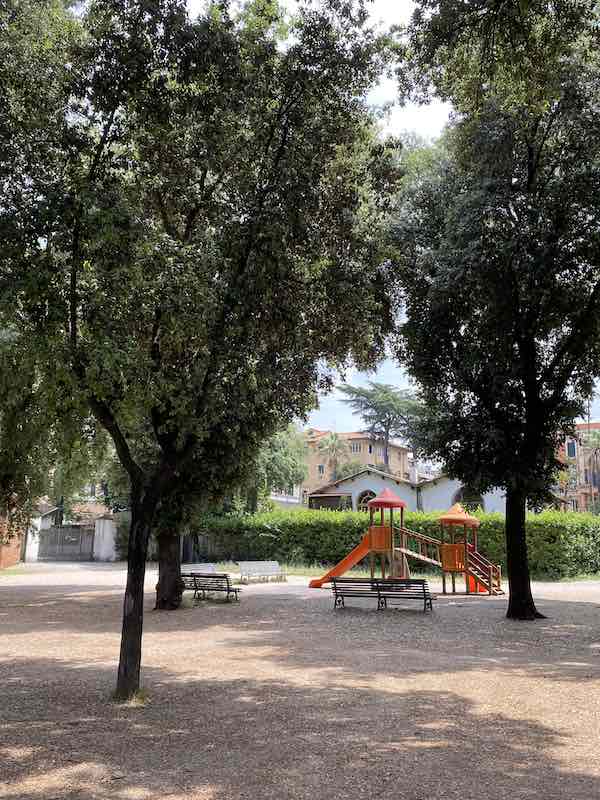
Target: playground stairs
427,550
484,572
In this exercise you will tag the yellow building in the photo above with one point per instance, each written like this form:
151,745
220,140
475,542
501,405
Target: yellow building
362,447
582,463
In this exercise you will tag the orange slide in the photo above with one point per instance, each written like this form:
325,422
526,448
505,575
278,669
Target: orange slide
354,556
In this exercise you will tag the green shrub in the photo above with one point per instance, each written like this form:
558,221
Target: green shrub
560,545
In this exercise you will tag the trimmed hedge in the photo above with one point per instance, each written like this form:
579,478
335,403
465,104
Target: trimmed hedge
560,544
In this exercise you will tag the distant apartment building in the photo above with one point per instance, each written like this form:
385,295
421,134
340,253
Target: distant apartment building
581,489
362,448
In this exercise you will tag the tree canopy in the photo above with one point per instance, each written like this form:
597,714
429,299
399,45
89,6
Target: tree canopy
501,281
463,51
183,204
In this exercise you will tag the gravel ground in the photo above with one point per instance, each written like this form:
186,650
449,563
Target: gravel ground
281,697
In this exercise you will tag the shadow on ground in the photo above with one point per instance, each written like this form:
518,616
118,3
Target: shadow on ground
281,697
238,739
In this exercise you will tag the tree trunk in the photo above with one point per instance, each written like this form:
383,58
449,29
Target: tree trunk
128,677
169,589
386,453
520,602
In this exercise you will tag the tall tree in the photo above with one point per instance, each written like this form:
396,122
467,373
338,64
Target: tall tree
519,74
335,449
183,204
501,281
387,412
281,464
348,468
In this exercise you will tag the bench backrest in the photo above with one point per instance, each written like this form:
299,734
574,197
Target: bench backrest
198,568
385,584
260,568
207,580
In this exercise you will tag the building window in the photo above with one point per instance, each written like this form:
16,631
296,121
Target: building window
571,449
370,448
321,469
355,447
363,499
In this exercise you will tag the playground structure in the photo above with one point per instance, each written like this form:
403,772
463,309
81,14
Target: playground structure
454,554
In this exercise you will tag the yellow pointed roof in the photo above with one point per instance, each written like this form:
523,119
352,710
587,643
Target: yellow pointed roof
458,516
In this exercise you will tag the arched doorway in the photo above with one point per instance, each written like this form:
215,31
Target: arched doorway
363,499
469,499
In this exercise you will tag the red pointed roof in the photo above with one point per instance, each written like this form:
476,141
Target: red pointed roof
458,516
387,499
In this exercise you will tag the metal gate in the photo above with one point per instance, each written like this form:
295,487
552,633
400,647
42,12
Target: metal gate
67,543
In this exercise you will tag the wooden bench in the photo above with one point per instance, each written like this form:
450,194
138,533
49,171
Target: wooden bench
392,589
261,570
203,583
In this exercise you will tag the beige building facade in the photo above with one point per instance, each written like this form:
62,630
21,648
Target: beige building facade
581,490
361,448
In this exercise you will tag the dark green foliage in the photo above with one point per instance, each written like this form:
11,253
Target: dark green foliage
183,203
499,266
560,545
463,49
279,466
500,280
349,468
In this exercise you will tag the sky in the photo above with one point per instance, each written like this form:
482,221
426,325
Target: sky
427,121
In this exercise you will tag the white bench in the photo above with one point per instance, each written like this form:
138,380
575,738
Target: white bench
202,568
263,570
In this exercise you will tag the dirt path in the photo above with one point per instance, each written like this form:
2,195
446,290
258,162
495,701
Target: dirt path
281,697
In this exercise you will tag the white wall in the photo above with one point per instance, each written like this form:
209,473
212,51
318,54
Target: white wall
32,545
439,495
495,501
377,483
105,531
